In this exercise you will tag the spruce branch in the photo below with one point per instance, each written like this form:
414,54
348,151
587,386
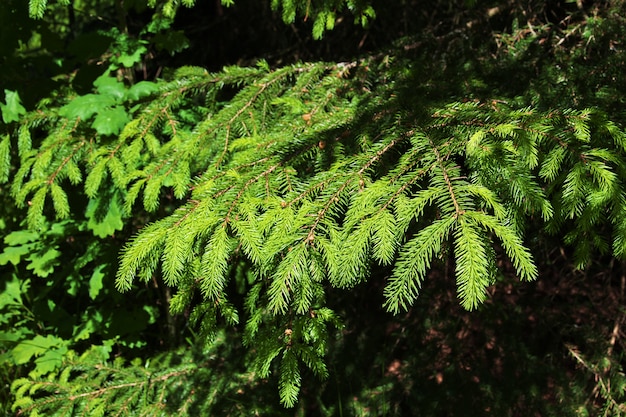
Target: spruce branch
243,189
457,208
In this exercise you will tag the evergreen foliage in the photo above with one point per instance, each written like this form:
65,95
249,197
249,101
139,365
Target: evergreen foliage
256,193
176,383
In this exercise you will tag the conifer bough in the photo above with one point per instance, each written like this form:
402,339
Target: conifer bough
311,175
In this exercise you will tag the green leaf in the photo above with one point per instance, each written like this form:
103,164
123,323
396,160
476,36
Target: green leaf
107,224
13,109
12,293
43,263
129,60
110,86
140,90
84,107
25,350
11,337
110,121
14,254
95,282
49,361
20,237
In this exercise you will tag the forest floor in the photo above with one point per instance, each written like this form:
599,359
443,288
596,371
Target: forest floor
553,346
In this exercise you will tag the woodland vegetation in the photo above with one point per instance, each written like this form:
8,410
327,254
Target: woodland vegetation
312,207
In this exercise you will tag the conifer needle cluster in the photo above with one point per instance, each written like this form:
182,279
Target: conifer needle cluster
308,177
